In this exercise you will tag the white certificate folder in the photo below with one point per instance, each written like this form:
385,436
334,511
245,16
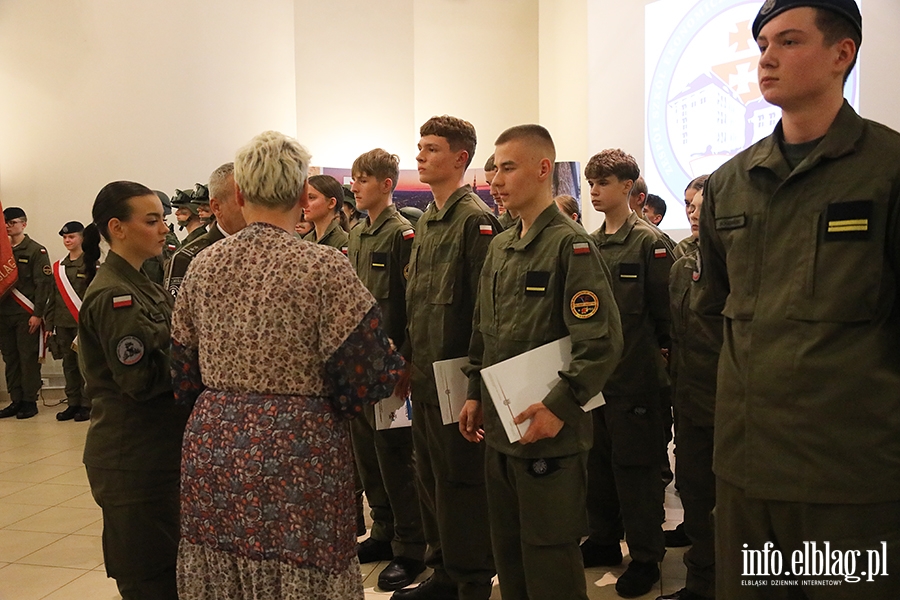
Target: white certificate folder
452,387
520,381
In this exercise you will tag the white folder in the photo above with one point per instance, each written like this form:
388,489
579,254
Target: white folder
452,387
392,413
518,382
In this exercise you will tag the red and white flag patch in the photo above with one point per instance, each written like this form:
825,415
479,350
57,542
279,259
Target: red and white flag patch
122,301
485,230
659,253
581,248
409,234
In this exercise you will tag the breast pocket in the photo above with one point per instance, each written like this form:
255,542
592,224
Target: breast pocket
628,286
740,235
444,269
379,275
841,265
536,303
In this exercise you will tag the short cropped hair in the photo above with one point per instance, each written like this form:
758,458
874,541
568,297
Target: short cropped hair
656,203
836,27
613,162
271,170
489,164
697,183
218,181
639,187
458,133
535,133
379,164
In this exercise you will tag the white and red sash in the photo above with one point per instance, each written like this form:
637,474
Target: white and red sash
64,285
23,301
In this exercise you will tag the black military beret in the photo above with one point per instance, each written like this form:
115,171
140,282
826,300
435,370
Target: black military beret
71,227
773,8
13,212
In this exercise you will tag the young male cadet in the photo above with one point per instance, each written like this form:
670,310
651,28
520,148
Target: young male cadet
506,218
379,250
61,320
625,487
452,239
800,238
693,360
654,209
542,280
21,314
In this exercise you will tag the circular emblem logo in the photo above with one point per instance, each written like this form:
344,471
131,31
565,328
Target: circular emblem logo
539,467
406,272
129,350
47,270
584,304
768,6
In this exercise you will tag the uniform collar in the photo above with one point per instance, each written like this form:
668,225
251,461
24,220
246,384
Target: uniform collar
331,227
68,262
371,229
547,216
25,239
123,267
841,139
621,235
438,215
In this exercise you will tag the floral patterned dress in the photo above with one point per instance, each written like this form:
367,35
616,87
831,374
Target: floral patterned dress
276,342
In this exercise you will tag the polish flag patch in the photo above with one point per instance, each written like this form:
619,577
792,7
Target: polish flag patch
485,230
344,250
122,301
409,234
659,253
172,247
581,248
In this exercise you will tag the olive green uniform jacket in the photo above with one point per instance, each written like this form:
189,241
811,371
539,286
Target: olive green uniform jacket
181,260
123,352
804,267
444,268
639,262
535,290
334,236
35,279
58,314
507,221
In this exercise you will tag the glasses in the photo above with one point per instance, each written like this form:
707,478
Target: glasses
15,222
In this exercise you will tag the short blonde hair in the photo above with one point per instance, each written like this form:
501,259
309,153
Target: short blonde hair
271,170
379,164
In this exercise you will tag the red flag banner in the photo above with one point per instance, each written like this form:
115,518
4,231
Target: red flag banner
8,271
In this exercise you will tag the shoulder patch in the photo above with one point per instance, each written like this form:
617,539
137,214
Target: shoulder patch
584,304
486,229
581,248
659,253
43,251
122,301
698,268
47,270
344,250
409,234
129,350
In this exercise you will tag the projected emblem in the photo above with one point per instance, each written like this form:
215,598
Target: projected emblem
703,99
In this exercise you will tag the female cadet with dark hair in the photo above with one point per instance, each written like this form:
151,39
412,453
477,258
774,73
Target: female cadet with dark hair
278,343
133,447
324,211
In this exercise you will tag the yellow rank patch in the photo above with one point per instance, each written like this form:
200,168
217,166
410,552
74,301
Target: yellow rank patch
584,304
848,225
47,270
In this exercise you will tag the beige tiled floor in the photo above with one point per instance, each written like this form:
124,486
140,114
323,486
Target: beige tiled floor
50,527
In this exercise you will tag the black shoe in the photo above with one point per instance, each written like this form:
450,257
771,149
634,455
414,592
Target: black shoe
371,551
684,594
67,414
638,579
27,410
677,538
401,572
600,555
11,410
428,590
83,414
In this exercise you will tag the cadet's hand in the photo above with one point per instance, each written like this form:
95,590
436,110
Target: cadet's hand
471,418
401,390
544,423
47,334
34,323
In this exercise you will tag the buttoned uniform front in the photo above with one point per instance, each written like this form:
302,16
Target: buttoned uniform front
537,492
181,260
64,328
624,485
803,264
19,347
693,360
334,236
507,221
133,446
379,252
444,268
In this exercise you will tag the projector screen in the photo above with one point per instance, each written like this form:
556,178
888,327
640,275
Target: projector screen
702,101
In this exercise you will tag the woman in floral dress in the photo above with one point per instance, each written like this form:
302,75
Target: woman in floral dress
277,343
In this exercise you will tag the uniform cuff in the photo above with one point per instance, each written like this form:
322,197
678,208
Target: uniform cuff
474,390
561,403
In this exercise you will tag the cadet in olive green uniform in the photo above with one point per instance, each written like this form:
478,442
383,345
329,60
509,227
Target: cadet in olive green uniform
325,211
541,281
624,483
693,361
133,447
61,320
181,260
21,311
379,251
335,236
800,238
187,211
452,239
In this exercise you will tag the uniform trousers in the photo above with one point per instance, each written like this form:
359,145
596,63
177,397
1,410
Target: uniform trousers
742,520
697,487
386,467
74,382
450,474
20,354
140,530
625,491
538,518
